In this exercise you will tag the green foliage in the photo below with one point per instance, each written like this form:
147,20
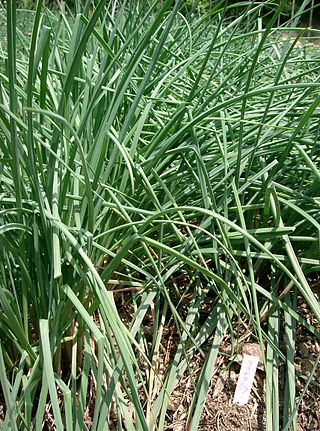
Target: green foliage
157,172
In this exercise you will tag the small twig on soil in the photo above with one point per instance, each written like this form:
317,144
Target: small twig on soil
126,289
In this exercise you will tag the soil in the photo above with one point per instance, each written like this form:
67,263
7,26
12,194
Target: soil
220,414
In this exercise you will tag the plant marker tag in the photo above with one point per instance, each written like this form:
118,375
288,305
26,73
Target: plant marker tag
245,381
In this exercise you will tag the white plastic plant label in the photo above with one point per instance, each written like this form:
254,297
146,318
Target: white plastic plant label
245,381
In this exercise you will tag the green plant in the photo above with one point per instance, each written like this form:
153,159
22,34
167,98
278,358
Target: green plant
138,149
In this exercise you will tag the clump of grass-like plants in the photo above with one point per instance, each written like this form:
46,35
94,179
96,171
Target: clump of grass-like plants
140,147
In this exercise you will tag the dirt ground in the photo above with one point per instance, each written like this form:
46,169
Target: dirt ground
220,414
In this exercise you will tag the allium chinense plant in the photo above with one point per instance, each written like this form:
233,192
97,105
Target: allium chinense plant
159,172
